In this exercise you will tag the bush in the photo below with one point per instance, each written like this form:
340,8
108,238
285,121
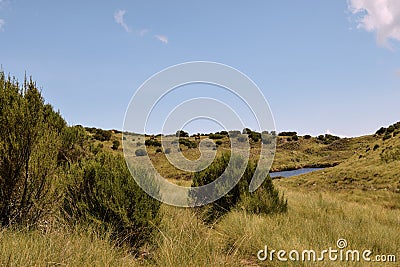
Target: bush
102,135
187,143
216,136
218,142
387,136
140,152
158,150
295,138
381,131
255,136
167,150
307,136
30,140
287,134
242,138
102,192
265,199
376,147
152,142
115,145
181,133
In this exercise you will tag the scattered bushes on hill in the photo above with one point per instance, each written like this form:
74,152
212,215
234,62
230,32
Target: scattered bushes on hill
187,142
102,135
102,192
152,142
216,136
328,138
265,199
181,133
287,134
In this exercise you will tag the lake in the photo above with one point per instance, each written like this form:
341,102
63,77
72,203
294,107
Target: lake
293,172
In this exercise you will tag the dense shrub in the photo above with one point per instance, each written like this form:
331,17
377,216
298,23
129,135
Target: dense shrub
265,199
140,152
158,150
218,142
30,140
181,133
295,138
328,138
376,147
115,145
246,131
102,135
255,136
216,136
102,192
387,136
187,142
381,131
307,136
287,134
152,142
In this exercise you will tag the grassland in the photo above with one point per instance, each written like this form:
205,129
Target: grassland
358,199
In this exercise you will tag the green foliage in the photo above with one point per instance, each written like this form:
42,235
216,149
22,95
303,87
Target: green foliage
140,152
181,133
152,142
74,145
102,135
30,139
158,150
307,136
246,131
376,147
287,134
328,138
115,145
187,142
265,199
391,154
386,136
216,136
295,138
255,136
218,142
102,192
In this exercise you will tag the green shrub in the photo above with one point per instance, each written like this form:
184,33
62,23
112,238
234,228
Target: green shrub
307,136
181,133
295,138
216,136
152,142
387,136
287,134
376,147
218,142
102,135
115,145
187,142
102,192
381,131
266,197
158,150
30,140
140,152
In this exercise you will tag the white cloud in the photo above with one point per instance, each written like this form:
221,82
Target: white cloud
2,22
162,38
143,32
119,18
379,16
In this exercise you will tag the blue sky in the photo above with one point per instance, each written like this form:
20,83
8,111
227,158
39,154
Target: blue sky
322,65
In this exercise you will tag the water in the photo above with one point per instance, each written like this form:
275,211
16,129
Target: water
294,172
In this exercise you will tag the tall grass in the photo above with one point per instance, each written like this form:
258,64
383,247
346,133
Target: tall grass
60,247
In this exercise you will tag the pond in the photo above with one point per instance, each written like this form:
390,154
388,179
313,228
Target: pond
286,174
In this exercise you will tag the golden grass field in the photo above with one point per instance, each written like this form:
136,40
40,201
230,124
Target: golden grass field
358,200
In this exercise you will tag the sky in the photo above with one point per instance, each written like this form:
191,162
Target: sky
323,66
